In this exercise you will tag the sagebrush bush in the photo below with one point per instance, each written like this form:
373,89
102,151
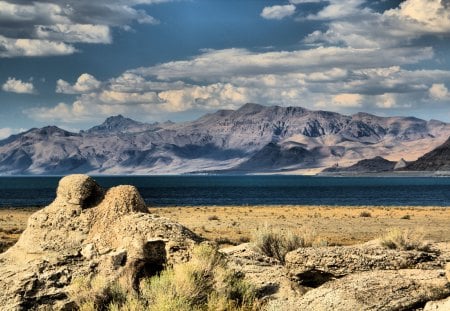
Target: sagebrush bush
275,243
96,293
404,240
365,214
203,283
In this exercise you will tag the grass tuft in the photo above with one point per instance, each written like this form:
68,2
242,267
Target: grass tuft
404,240
275,243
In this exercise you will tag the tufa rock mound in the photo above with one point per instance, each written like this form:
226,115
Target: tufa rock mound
87,232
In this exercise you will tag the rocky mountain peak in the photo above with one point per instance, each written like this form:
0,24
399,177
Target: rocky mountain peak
117,123
251,108
49,131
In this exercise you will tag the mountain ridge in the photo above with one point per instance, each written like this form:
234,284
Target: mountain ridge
251,139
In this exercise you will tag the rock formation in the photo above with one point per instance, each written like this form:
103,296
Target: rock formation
87,231
315,266
407,289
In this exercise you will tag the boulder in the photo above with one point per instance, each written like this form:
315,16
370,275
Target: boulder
314,266
87,232
407,289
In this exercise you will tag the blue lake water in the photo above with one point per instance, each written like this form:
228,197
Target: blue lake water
246,190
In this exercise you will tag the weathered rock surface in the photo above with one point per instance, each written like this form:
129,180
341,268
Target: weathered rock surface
314,266
265,273
84,232
440,305
377,290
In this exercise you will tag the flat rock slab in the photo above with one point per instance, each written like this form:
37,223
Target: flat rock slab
378,291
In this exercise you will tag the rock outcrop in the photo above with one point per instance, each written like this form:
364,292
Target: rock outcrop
378,290
314,266
440,305
87,231
265,273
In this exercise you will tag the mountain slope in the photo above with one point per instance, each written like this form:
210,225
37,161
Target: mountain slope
374,165
254,138
436,160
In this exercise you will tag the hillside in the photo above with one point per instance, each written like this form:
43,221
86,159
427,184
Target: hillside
436,160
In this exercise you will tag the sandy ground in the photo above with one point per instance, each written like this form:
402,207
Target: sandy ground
336,225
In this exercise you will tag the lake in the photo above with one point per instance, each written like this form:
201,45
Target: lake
247,190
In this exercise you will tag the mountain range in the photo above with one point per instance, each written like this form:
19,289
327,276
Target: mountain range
251,139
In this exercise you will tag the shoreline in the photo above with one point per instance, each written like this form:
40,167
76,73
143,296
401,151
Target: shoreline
337,225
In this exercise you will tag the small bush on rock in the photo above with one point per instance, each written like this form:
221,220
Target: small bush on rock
404,240
203,283
275,243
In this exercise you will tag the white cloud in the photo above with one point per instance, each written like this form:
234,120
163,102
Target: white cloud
425,16
33,47
357,27
216,65
347,100
278,11
75,33
18,86
439,91
85,83
123,98
33,28
339,9
386,101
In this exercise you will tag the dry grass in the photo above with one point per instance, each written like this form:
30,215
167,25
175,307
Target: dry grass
203,283
91,294
275,243
404,240
365,214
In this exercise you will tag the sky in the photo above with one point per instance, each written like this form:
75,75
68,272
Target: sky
72,63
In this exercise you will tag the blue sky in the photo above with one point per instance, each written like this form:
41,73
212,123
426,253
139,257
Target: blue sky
73,63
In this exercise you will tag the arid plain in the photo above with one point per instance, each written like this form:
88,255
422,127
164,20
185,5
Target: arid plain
335,225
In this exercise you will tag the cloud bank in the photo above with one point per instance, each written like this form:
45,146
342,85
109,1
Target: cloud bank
362,60
51,28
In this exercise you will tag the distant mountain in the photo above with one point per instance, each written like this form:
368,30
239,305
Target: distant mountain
251,139
374,165
436,160
121,124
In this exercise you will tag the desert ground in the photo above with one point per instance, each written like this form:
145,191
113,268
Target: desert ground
334,225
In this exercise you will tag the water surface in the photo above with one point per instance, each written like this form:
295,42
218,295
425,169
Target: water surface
247,190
